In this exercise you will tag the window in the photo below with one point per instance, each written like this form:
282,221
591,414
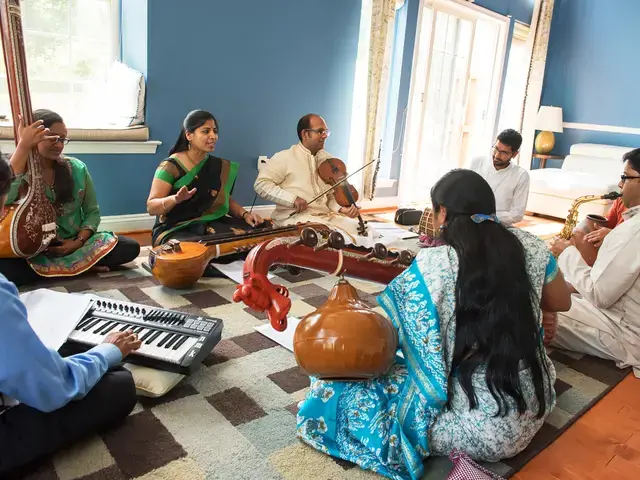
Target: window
70,46
453,102
516,79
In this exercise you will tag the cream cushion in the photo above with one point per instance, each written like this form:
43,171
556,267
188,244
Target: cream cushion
151,382
125,96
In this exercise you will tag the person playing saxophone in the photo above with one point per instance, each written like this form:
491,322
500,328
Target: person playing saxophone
604,319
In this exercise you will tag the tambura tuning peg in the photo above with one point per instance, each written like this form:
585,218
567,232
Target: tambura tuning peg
335,240
405,257
378,251
173,245
308,238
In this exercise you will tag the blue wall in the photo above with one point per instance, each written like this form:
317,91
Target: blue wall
133,34
592,70
520,10
257,66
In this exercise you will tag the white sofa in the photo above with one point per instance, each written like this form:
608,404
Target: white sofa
589,169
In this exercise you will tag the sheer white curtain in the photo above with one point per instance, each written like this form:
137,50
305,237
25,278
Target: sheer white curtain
383,14
542,15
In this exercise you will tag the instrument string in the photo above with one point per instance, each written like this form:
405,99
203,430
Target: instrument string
253,203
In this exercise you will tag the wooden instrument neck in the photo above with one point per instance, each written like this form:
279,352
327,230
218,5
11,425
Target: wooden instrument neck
211,240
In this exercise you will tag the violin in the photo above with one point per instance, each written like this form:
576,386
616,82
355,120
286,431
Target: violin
333,171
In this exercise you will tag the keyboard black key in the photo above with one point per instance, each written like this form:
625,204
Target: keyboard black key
164,340
147,335
152,338
180,342
175,338
84,322
115,324
90,325
100,329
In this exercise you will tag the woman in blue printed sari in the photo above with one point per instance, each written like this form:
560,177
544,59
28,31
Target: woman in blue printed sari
471,372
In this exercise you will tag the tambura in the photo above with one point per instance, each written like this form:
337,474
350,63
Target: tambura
426,225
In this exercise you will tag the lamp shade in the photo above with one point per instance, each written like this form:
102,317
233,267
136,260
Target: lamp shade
549,119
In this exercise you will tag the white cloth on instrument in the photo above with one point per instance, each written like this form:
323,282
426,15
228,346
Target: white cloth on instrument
510,187
604,318
294,173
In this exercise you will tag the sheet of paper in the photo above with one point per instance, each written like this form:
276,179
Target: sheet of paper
234,270
53,315
391,230
282,338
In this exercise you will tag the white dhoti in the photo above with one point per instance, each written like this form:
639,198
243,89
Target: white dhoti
586,329
604,319
348,227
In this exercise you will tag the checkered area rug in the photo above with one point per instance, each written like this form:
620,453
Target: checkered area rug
234,418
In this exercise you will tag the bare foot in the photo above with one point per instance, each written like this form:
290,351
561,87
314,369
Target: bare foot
99,269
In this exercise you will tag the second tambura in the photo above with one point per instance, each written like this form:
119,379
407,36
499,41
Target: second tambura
426,225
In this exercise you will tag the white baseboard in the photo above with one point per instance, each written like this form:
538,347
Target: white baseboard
142,221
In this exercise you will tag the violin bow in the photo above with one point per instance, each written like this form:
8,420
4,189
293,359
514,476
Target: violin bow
334,186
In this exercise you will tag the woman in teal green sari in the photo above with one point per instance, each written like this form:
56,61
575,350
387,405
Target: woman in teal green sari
79,246
471,373
191,190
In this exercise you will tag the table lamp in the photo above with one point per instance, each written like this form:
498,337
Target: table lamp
549,120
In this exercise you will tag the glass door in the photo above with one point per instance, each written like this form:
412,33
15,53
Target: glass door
457,66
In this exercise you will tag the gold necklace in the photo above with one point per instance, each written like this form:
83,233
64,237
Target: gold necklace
53,179
193,163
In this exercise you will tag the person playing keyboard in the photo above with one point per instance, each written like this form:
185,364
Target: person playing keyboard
48,402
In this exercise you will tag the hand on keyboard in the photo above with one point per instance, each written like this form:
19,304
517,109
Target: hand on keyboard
126,341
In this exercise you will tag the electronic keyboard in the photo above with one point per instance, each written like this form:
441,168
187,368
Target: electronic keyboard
171,340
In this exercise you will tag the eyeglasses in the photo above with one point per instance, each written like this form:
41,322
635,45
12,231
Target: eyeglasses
63,141
320,131
624,178
501,152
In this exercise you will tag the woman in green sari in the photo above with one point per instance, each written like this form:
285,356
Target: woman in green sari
191,190
79,247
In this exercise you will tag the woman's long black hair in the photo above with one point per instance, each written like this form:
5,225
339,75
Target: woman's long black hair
194,120
63,182
496,324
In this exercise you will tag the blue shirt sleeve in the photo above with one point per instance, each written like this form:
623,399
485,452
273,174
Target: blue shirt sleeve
552,269
36,375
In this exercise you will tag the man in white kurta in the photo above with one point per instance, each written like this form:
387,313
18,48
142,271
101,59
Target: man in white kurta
509,182
604,319
290,180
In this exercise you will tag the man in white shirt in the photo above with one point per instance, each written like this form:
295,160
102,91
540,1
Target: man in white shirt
509,182
604,319
290,179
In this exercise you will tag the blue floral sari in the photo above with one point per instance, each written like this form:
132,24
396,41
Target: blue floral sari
383,424
392,423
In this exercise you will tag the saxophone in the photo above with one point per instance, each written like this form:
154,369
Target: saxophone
572,218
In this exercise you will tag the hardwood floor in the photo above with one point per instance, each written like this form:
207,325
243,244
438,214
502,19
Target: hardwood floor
143,237
603,444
